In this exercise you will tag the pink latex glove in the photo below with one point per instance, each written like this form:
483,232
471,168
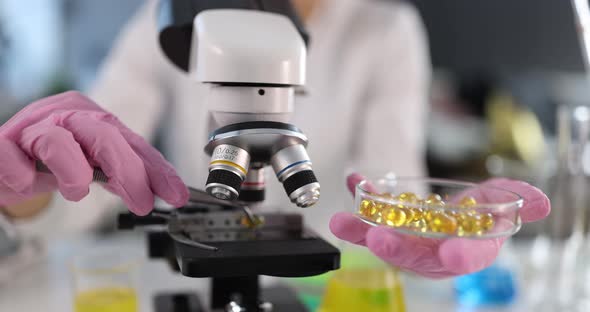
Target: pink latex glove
71,135
435,258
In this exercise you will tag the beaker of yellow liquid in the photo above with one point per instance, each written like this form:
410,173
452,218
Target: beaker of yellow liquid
105,281
364,283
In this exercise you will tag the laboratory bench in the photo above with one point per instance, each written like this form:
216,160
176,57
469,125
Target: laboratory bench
47,284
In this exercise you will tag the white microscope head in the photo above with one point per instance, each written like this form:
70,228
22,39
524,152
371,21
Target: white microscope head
247,47
251,62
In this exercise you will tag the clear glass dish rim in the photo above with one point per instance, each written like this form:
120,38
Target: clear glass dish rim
514,204
439,235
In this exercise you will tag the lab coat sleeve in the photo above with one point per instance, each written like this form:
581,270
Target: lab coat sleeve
131,81
390,133
129,86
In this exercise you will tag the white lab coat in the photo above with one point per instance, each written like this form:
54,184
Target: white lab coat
368,77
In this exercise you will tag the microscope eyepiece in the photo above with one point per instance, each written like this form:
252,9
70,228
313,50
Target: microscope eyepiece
227,170
294,169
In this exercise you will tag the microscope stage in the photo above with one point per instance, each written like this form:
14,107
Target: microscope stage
269,253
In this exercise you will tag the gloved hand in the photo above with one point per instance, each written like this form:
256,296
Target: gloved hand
71,134
435,258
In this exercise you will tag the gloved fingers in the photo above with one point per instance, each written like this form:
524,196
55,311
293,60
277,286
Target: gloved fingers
488,191
348,227
164,180
59,151
407,252
354,179
536,205
437,258
70,100
17,172
41,109
464,256
163,177
105,146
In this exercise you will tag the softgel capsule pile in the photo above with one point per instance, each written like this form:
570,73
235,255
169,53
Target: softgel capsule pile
430,214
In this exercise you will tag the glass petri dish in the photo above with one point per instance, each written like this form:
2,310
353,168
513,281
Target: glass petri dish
438,208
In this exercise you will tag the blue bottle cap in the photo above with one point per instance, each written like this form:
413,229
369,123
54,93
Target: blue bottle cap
494,285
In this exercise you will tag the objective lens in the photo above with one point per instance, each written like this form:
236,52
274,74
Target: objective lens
253,188
227,170
293,168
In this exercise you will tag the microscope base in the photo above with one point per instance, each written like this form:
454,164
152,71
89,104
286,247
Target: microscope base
283,298
200,243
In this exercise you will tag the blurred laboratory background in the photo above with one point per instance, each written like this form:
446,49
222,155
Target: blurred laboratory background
48,46
501,69
510,97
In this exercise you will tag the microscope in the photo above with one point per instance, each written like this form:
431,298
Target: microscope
252,57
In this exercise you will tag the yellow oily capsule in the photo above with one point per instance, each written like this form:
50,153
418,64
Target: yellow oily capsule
400,206
412,215
407,197
434,199
442,222
388,195
469,225
251,223
376,209
429,214
381,209
366,208
408,212
419,214
454,213
487,221
394,216
420,226
461,231
467,201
